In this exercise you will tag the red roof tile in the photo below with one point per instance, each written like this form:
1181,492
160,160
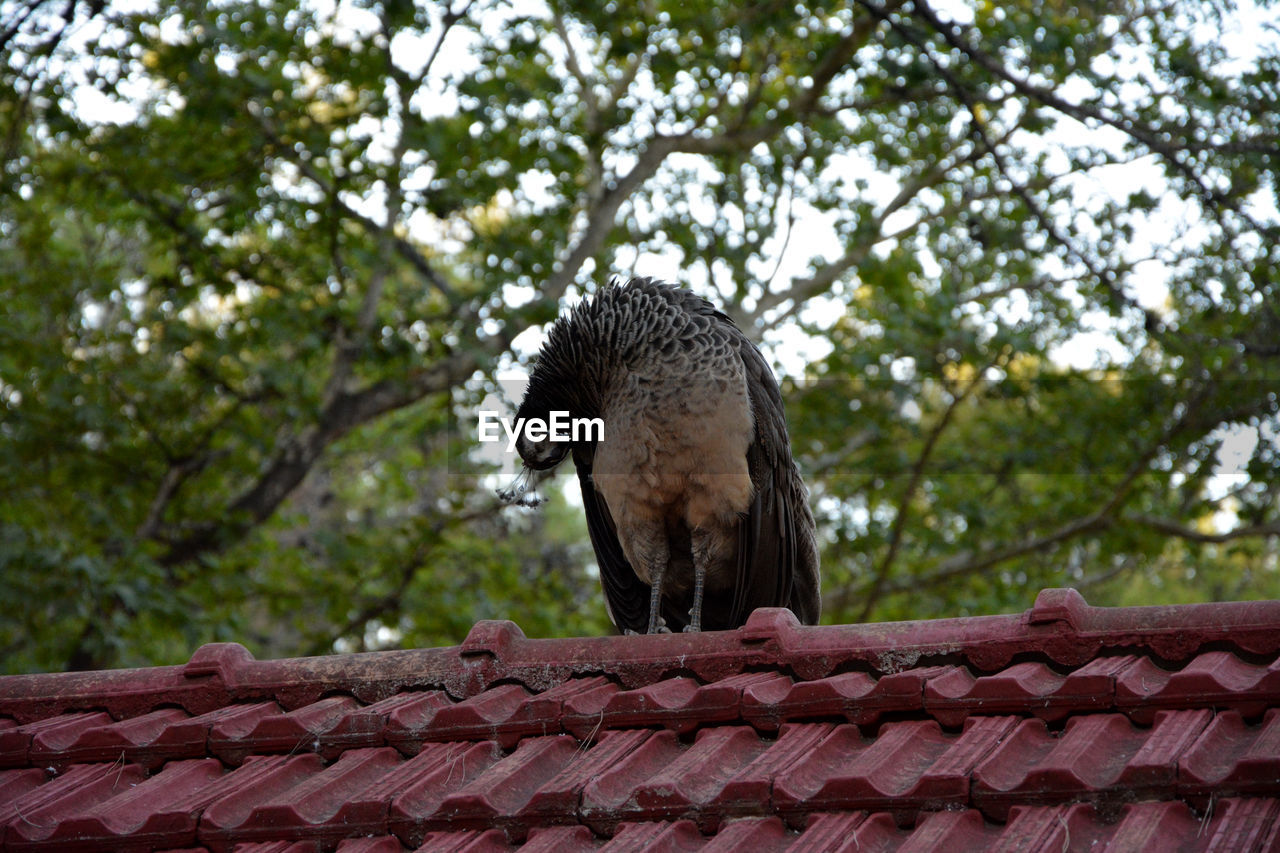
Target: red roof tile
1065,727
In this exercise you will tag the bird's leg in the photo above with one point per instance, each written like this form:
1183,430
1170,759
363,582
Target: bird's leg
695,612
709,549
650,554
656,623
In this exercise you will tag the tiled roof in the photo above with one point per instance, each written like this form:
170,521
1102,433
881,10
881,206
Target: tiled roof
1067,727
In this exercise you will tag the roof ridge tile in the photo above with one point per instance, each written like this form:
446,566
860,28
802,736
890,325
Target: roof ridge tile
1060,628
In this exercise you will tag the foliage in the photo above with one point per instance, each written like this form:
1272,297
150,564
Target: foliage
260,260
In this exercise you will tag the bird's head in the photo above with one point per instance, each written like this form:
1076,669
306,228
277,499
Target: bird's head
537,454
541,455
564,390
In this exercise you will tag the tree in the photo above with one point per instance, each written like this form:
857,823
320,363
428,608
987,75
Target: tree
261,259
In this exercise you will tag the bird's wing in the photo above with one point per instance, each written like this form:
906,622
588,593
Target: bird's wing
768,556
626,594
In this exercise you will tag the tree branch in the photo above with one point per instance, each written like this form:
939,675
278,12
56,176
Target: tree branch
1181,531
1105,277
408,570
1105,516
348,345
178,473
296,455
966,562
589,100
804,289
951,33
601,219
898,528
836,59
407,251
447,23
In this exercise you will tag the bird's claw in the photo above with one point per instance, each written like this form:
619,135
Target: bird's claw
658,626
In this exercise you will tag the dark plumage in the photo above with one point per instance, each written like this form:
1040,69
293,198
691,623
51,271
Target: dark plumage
696,510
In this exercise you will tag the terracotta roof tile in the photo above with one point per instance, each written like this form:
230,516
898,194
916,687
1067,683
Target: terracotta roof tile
1065,727
51,734
1219,679
1233,757
438,770
52,813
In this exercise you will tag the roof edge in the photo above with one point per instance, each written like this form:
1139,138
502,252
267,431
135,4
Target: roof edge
1061,627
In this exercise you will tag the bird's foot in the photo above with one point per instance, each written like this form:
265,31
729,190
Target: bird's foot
693,629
